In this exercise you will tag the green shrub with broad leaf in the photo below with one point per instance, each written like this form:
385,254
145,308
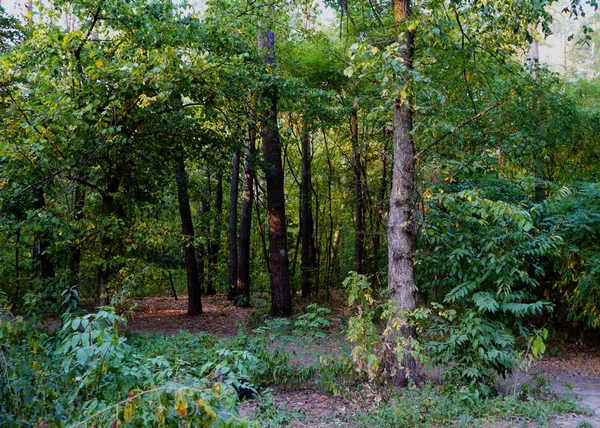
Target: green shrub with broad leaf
479,262
87,373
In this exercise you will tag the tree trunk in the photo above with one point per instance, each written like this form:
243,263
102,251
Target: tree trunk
401,222
358,192
379,210
43,262
215,237
538,167
281,298
233,213
187,228
306,218
243,273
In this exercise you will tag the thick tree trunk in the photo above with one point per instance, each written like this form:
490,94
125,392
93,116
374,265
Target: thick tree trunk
215,237
187,228
306,218
243,274
358,192
281,298
233,214
401,222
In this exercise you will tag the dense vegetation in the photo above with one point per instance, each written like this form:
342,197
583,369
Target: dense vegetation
148,148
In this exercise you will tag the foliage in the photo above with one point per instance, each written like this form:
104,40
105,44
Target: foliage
574,215
80,372
427,406
482,259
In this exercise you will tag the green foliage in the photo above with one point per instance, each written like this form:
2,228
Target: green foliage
88,372
427,407
369,310
574,215
482,257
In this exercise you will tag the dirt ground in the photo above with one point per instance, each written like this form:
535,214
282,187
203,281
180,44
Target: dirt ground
572,370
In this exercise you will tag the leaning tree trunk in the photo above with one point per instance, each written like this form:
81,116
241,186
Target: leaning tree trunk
243,273
281,298
187,228
233,213
401,226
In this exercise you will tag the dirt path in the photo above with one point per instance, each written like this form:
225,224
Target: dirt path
576,373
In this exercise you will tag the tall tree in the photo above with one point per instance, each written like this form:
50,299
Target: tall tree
307,227
243,260
281,298
401,221
187,228
233,217
215,235
358,191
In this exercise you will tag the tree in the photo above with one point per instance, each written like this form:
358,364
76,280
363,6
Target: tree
281,298
401,226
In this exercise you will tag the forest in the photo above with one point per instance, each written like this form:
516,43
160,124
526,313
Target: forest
273,213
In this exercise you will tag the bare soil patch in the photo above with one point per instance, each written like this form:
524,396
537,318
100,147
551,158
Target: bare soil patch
166,315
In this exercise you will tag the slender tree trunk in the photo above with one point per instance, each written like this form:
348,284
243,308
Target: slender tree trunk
261,230
215,237
203,210
358,192
379,214
538,167
233,220
17,273
243,273
281,298
187,228
306,218
172,284
75,261
45,265
401,222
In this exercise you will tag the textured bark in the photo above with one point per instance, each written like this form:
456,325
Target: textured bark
243,273
358,193
306,218
233,214
281,298
401,221
187,228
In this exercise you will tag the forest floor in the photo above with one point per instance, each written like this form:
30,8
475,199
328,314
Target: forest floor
572,370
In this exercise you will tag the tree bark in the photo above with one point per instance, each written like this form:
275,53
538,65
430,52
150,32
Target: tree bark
187,228
215,236
281,298
306,218
233,214
243,273
358,192
401,222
